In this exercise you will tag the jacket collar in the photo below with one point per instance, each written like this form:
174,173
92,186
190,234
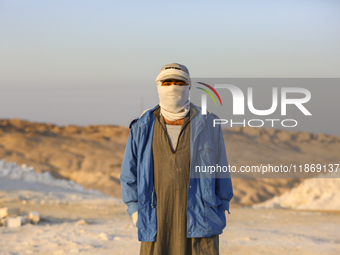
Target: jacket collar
147,117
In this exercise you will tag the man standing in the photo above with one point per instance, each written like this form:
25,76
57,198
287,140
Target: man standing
177,210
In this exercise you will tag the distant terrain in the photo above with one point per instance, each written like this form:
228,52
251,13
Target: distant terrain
92,155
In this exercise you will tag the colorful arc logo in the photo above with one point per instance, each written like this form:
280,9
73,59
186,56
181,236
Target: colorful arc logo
209,93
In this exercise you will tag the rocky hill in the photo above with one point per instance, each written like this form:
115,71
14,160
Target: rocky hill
92,155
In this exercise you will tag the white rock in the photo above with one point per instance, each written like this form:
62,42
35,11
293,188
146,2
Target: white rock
34,217
81,222
105,236
311,194
6,211
13,222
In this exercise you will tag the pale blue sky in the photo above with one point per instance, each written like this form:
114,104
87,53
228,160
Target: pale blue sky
93,62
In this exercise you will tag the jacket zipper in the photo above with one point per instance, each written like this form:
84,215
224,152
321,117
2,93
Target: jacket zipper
152,202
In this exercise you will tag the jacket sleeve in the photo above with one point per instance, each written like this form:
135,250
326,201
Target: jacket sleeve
128,175
223,184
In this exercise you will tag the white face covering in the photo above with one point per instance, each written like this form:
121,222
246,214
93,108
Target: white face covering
174,101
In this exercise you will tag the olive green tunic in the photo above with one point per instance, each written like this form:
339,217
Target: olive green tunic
171,180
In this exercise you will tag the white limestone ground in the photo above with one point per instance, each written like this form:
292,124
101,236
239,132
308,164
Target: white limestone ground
22,182
74,220
320,193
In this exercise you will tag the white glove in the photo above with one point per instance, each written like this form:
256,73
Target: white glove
135,218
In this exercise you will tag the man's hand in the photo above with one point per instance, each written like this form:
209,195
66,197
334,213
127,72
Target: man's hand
134,218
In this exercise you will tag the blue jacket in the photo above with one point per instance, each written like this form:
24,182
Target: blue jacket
208,194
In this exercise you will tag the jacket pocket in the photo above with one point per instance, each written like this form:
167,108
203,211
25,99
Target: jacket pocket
214,215
215,218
